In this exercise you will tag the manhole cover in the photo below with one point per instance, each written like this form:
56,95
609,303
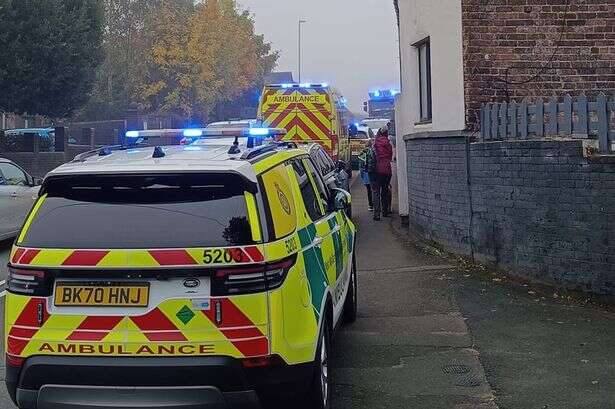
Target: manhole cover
457,369
468,381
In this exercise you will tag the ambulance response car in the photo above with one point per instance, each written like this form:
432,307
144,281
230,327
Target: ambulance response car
309,113
179,277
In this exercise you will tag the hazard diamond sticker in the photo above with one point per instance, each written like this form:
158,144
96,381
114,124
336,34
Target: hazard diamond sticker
185,315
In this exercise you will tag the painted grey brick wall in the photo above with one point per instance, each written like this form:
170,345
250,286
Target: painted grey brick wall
538,208
438,191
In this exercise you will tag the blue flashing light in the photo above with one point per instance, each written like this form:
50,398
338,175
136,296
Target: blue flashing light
324,85
376,93
305,85
394,92
287,85
259,131
132,134
193,133
356,124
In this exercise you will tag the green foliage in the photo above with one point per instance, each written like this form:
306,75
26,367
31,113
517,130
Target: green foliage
49,52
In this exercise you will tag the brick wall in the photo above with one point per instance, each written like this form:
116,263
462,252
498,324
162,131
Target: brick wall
39,164
538,209
438,190
536,48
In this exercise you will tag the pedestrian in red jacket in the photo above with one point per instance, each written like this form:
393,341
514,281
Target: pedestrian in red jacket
380,180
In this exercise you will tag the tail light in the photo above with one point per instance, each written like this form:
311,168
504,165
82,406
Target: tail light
29,282
14,361
251,279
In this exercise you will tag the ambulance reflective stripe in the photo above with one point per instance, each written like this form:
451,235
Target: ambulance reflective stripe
30,217
255,226
94,328
235,325
173,328
25,326
314,264
173,257
304,113
136,258
85,258
157,327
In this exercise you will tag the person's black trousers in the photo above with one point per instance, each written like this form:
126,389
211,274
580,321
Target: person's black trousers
381,191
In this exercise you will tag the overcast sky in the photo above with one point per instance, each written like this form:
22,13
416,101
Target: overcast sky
351,44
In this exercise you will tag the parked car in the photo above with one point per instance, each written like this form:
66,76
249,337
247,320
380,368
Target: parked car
18,191
14,140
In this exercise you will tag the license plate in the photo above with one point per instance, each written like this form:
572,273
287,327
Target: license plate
75,294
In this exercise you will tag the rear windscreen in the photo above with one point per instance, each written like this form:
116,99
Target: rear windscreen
134,212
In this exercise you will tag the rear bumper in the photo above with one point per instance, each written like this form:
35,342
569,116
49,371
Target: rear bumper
48,382
92,397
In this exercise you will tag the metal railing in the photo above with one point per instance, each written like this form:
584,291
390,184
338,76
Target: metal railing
571,118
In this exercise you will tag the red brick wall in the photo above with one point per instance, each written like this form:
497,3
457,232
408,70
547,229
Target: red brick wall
536,48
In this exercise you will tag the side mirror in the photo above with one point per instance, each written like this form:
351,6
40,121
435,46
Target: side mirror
37,181
341,199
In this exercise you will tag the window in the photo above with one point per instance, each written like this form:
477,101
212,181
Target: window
424,53
310,197
12,175
133,212
282,218
323,192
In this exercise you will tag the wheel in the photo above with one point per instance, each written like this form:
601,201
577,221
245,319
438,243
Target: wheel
350,304
320,391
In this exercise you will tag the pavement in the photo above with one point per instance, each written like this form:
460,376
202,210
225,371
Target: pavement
432,334
410,346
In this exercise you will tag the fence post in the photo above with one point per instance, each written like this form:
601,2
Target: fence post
494,120
523,125
487,121
603,123
540,118
582,125
566,125
552,110
513,119
504,120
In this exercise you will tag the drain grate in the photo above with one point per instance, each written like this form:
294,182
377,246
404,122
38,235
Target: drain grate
469,381
456,369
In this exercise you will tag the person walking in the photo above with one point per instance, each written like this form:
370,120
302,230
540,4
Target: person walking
380,174
363,167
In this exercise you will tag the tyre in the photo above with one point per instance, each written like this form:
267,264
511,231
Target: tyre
350,304
319,394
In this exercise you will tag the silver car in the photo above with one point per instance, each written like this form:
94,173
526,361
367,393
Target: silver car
18,191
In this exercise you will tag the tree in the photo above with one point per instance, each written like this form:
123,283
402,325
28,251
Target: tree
215,58
49,52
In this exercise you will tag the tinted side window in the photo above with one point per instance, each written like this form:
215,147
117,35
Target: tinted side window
329,165
323,192
310,197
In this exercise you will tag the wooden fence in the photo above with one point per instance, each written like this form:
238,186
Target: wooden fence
580,118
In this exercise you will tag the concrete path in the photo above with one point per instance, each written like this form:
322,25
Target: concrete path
410,346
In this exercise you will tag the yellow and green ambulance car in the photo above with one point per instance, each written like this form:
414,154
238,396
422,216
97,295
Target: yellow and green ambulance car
180,277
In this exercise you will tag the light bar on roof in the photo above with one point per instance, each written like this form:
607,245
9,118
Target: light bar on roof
132,134
259,131
193,133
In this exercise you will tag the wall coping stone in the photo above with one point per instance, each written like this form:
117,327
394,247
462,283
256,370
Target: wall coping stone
438,134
